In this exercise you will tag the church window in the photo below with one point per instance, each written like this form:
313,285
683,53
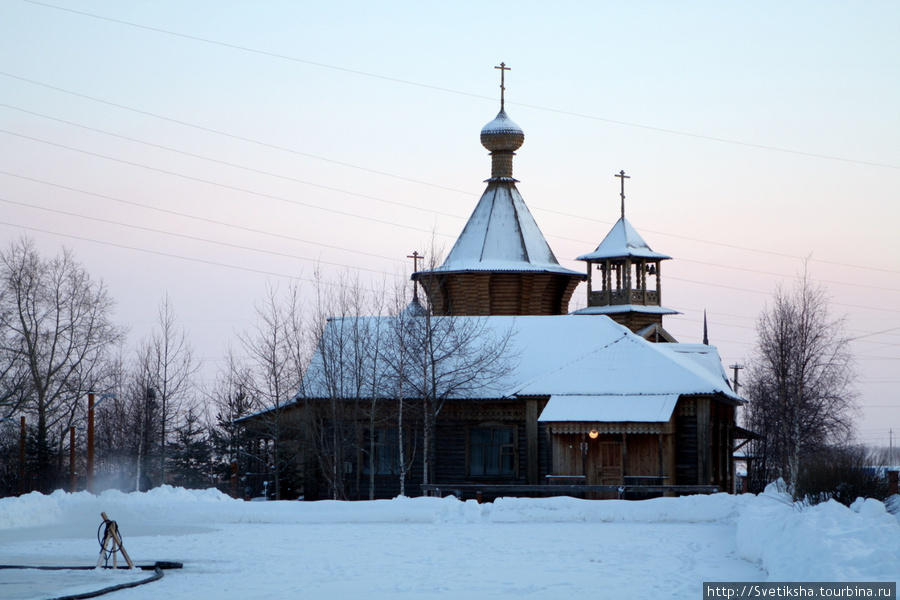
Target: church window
492,452
387,451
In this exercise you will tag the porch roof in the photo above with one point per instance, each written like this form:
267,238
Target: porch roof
656,408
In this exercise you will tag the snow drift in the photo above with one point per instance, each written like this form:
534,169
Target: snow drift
828,542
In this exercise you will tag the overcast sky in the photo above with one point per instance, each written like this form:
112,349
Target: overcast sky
205,149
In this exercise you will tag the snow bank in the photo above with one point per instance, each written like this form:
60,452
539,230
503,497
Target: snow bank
36,509
688,509
30,510
178,506
206,507
827,542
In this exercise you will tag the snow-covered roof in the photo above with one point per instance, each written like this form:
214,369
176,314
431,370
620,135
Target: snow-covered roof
547,356
616,309
630,365
502,235
622,241
703,359
610,409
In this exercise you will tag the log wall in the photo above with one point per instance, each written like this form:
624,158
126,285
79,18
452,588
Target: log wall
482,293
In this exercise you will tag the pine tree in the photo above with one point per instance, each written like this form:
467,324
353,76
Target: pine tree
191,456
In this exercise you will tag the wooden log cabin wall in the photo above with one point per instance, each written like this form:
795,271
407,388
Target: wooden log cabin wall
704,441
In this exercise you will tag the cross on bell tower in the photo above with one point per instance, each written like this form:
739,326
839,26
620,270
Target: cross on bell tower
621,175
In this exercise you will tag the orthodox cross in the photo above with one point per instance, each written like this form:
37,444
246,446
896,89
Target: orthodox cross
416,258
621,175
502,68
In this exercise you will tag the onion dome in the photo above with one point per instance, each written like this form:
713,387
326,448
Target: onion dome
502,135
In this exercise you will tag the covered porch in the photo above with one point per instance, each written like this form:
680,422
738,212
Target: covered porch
610,440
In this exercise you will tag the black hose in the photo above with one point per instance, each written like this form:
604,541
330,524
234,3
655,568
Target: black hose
157,568
157,574
160,564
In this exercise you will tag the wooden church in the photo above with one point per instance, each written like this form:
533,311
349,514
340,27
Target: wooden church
599,402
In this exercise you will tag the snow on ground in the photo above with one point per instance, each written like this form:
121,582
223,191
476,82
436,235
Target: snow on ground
430,547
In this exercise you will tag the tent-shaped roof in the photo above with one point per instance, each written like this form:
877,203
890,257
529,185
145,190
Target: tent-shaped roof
623,241
502,235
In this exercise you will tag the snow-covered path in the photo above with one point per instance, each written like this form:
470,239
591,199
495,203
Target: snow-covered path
419,548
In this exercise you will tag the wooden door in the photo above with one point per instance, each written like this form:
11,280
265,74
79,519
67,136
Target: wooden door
611,463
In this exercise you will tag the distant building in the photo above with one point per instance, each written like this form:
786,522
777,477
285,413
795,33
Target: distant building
588,398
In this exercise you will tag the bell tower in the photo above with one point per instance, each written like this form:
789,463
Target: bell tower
624,280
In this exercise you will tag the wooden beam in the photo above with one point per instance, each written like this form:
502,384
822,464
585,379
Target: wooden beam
513,490
531,441
704,443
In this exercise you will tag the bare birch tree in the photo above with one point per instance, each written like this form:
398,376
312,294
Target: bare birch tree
399,349
450,357
115,435
56,324
167,362
342,356
800,383
273,373
453,358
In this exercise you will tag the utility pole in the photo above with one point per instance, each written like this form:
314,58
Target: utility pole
22,456
89,482
72,480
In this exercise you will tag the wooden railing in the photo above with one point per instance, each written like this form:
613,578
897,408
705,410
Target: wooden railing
618,297
474,490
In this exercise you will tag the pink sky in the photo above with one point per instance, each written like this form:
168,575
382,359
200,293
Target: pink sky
206,149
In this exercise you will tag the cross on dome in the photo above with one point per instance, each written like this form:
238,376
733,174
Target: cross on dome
503,68
416,258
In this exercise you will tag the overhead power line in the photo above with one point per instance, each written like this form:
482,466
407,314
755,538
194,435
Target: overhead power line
230,135
201,219
177,256
229,164
366,196
221,185
383,173
185,236
459,92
